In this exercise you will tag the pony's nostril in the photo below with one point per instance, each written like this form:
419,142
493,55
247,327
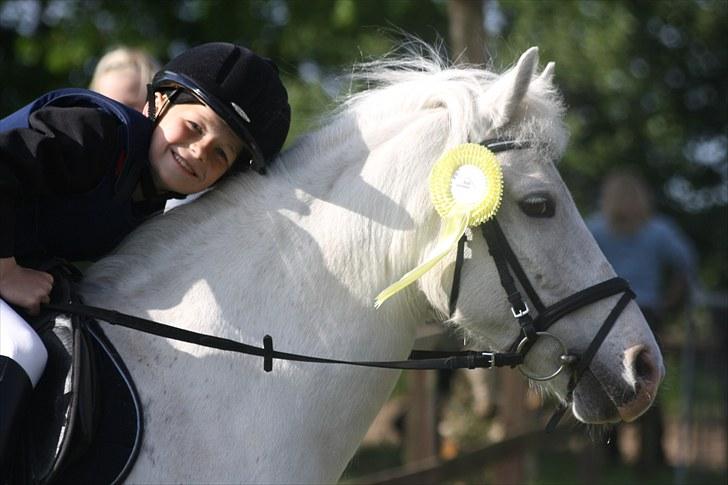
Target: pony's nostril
644,373
641,366
644,368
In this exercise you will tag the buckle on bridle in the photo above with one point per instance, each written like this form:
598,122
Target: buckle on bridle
520,313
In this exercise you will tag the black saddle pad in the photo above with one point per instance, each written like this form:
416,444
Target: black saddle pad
84,420
115,443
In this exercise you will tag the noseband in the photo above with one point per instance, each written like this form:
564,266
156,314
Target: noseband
535,328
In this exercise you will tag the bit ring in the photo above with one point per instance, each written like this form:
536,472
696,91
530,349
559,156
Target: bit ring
565,358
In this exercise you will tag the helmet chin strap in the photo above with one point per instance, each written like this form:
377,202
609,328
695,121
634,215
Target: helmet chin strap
152,113
151,103
148,188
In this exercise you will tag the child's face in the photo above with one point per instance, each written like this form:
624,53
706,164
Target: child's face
191,148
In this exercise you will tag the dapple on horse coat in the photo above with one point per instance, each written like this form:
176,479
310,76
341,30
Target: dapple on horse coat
301,253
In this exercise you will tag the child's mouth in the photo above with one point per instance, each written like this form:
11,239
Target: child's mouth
183,163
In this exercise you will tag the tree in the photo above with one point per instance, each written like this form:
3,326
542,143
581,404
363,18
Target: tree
645,86
644,80
467,32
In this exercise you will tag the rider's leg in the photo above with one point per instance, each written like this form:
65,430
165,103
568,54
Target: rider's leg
22,360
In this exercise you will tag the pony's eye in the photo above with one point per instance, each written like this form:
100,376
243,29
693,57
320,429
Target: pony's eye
537,205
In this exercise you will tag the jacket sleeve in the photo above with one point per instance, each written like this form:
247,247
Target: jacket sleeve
65,150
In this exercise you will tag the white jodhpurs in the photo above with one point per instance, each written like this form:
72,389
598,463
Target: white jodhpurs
20,342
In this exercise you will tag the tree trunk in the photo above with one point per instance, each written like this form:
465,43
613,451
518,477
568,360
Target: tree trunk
467,33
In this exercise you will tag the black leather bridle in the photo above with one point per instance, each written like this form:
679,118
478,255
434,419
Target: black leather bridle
532,329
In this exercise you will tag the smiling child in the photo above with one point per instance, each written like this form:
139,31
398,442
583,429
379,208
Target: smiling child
79,171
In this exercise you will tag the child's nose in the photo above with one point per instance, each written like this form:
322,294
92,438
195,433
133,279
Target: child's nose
201,148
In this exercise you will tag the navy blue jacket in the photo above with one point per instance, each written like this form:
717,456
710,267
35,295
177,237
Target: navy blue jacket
69,163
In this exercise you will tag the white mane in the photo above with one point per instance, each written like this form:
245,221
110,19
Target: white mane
423,80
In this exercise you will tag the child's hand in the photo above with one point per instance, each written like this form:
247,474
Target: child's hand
24,287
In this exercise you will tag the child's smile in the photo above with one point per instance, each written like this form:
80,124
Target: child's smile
191,148
183,163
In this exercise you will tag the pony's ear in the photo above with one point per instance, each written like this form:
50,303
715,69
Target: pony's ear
547,76
506,95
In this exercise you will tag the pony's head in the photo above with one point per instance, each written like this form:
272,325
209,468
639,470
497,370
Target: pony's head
417,111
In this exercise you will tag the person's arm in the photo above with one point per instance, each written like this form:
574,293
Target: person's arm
63,151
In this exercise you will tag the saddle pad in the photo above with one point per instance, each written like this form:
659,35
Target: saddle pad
116,441
84,421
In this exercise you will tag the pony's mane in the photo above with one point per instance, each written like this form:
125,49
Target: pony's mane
420,77
417,79
411,65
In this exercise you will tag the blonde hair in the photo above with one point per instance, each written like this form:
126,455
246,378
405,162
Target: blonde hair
626,201
126,60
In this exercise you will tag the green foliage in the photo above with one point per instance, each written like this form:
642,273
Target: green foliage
644,80
645,85
68,36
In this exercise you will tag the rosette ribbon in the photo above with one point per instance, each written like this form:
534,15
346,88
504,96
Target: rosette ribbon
466,188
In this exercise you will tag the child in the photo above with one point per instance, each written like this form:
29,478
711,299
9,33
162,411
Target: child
79,171
123,74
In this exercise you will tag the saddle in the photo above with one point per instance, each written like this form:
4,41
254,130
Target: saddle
84,420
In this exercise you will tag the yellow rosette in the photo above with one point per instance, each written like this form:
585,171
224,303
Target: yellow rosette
466,187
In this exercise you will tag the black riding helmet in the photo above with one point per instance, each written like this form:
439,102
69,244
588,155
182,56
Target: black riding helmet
243,88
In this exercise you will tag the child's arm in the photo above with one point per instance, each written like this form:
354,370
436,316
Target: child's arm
24,287
64,151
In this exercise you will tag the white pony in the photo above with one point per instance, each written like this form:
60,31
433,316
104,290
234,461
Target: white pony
301,253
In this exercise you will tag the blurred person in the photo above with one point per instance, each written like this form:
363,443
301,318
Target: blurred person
80,171
658,260
122,74
647,249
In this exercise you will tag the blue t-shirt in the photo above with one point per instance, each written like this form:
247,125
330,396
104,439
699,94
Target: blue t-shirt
641,258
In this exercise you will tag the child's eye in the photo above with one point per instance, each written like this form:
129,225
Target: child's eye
195,126
223,156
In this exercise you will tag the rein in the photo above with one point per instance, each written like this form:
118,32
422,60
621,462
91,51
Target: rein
506,261
418,359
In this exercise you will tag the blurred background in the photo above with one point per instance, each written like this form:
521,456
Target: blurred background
645,83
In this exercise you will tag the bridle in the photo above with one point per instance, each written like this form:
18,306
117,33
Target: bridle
532,329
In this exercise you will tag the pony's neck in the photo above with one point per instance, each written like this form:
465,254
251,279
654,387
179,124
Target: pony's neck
367,174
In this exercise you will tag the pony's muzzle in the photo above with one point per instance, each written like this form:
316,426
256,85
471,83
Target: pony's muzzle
645,372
